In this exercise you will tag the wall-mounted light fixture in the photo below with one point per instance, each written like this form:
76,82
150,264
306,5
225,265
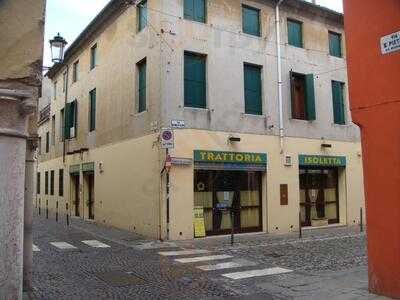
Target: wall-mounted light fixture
325,145
234,139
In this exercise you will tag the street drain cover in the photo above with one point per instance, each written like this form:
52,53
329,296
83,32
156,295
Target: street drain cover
119,278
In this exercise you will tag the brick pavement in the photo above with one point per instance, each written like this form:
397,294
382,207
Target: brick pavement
324,264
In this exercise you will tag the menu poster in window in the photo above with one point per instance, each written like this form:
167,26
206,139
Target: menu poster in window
198,222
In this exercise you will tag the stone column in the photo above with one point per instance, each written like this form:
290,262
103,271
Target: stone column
15,106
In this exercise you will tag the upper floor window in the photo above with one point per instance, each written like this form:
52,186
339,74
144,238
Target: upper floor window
71,115
62,121
335,44
295,33
92,110
53,130
93,56
195,10
303,96
75,71
195,80
338,103
251,20
64,81
252,89
55,90
142,15
141,82
39,145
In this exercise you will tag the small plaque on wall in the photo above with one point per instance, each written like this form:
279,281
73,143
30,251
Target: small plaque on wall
284,194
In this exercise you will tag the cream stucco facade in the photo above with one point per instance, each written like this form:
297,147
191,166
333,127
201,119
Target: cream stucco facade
130,184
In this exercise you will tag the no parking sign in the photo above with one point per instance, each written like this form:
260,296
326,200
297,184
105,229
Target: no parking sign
167,138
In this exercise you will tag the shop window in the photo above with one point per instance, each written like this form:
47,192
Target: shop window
46,183
142,15
195,80
195,10
38,183
47,142
61,182
319,196
52,182
252,89
241,189
303,97
295,33
335,44
92,110
338,103
251,20
141,82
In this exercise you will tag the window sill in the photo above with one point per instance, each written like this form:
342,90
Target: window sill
199,109
297,47
341,125
138,114
194,21
253,116
301,120
251,35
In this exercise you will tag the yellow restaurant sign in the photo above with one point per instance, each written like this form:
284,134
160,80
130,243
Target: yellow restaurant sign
321,160
230,157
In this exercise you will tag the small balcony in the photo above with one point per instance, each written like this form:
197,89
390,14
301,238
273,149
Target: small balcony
44,114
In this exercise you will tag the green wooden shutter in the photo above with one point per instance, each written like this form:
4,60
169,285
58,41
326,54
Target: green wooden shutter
142,15
195,10
295,33
142,86
92,114
252,90
335,44
251,20
310,97
67,120
195,81
338,103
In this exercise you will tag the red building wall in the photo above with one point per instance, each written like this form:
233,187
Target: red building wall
374,89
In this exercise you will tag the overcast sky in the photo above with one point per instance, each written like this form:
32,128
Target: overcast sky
70,17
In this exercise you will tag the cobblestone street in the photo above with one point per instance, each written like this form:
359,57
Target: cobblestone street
89,261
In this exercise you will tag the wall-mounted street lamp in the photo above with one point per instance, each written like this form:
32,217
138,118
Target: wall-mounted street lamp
234,139
57,46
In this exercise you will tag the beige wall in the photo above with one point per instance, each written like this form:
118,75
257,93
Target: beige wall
277,218
127,192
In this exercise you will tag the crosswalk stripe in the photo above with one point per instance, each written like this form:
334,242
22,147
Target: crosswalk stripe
202,258
63,245
96,244
35,248
183,252
228,265
256,273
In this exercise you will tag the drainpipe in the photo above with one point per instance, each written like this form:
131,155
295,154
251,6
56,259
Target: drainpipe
279,66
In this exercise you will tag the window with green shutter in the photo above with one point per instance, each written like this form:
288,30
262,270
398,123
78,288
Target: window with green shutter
303,96
295,33
338,103
52,182
141,67
71,114
195,80
142,15
335,44
251,20
92,110
195,10
38,183
252,89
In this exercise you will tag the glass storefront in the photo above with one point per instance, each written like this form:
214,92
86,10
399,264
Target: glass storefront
242,189
319,197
